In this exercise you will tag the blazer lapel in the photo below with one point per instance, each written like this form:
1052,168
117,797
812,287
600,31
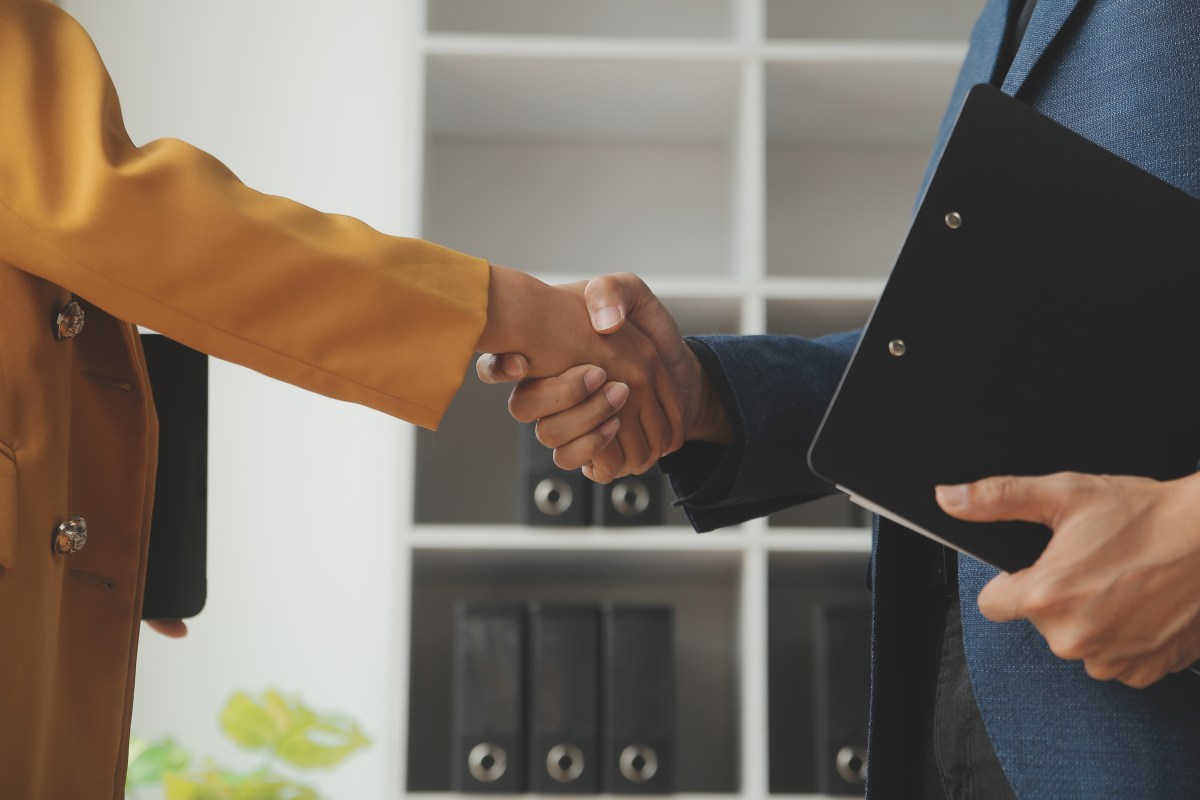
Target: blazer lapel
1048,18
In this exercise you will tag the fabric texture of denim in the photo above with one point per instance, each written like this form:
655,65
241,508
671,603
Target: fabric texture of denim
1125,74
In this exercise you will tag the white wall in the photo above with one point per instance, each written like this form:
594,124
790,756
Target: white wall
307,496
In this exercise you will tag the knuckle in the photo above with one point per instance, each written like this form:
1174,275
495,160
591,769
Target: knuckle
1040,598
519,408
997,491
1074,643
1068,646
606,464
1080,487
1078,483
631,279
602,476
1102,670
1141,678
563,460
548,434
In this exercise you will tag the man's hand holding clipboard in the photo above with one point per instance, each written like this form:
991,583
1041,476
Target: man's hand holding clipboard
1115,587
1040,322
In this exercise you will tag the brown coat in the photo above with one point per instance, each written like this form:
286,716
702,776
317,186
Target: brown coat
161,236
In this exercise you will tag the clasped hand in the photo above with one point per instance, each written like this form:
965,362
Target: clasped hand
615,396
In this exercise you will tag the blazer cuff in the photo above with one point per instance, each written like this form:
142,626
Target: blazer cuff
775,390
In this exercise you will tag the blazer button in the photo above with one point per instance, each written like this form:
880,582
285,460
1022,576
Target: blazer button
70,321
71,536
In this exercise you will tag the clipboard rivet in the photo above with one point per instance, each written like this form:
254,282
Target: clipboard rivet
897,347
954,220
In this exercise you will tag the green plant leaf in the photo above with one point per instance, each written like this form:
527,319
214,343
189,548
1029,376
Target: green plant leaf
149,760
324,741
272,787
217,785
250,724
201,786
296,733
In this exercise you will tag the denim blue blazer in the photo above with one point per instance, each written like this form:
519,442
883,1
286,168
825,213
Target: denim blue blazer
1125,74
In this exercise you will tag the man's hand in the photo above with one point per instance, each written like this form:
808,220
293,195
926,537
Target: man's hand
1118,585
570,410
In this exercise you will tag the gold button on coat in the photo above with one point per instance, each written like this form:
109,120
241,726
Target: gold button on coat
70,321
71,536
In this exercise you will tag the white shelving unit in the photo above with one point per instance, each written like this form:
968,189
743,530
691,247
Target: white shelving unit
756,161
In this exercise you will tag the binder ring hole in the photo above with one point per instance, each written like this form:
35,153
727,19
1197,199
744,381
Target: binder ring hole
630,497
487,762
852,764
552,496
638,763
954,220
897,347
564,762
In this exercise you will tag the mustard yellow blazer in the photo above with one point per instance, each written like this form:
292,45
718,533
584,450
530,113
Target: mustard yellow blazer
162,236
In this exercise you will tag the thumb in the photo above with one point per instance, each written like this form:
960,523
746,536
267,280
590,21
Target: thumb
611,299
503,368
607,302
1000,599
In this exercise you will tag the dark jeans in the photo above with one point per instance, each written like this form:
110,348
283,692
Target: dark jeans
964,762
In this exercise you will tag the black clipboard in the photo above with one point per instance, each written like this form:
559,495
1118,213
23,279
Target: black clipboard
1042,316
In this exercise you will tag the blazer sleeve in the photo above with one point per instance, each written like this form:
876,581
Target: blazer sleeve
775,390
165,236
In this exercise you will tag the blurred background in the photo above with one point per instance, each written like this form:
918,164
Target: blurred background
755,160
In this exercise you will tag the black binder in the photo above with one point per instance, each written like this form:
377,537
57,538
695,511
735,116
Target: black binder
630,501
843,692
564,699
638,700
1040,317
488,748
176,572
548,495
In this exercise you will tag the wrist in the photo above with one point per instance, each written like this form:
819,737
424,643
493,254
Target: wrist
510,293
546,324
709,421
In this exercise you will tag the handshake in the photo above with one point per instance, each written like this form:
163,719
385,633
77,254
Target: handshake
601,367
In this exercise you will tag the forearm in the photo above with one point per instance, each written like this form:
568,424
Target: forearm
165,236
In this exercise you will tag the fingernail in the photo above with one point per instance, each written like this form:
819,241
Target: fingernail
609,428
617,394
511,367
594,379
952,496
605,318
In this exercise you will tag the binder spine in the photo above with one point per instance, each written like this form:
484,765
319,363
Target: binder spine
843,697
638,720
564,697
489,699
630,501
550,496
